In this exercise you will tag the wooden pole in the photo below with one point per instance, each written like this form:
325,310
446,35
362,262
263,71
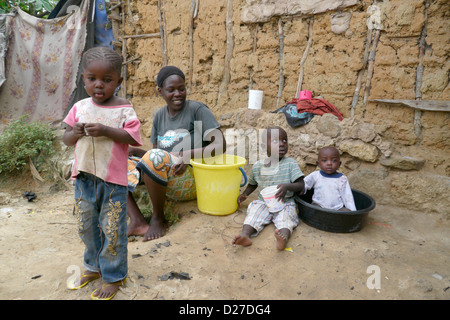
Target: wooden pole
193,15
162,24
361,73
280,55
228,51
255,42
124,55
142,36
371,66
419,74
305,54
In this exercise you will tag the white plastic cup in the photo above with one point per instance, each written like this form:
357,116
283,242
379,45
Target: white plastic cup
255,99
272,203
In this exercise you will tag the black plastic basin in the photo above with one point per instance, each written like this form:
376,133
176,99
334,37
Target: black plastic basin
333,220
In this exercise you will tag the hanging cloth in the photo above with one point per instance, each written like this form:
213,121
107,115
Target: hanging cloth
3,44
42,62
103,27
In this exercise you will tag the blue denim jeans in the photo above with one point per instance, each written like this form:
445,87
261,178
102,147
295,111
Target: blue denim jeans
102,225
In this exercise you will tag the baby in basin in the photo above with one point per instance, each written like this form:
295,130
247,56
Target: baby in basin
331,188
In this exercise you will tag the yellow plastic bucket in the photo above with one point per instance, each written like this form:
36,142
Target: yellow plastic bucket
218,180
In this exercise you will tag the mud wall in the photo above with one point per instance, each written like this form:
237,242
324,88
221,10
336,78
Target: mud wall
351,53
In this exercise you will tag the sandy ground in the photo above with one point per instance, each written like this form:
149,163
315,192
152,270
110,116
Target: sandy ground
40,250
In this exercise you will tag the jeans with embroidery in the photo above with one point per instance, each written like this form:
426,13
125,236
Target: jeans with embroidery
102,225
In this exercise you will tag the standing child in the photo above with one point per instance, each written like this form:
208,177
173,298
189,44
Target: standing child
278,170
102,127
331,188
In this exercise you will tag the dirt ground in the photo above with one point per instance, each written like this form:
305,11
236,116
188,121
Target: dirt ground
40,250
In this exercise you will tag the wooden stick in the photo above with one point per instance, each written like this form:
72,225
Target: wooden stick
193,15
427,105
116,24
361,73
115,16
422,47
255,42
228,50
114,5
131,60
162,24
305,54
141,36
419,74
371,66
280,55
124,55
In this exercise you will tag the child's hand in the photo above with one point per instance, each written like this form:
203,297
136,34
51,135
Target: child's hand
282,189
94,129
241,198
78,129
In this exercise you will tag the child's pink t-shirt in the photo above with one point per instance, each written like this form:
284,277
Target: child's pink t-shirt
111,157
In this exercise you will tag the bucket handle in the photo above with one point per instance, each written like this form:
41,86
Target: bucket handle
245,177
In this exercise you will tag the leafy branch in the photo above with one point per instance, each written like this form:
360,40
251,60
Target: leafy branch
37,8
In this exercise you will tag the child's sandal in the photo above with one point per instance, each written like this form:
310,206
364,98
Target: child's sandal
74,284
106,285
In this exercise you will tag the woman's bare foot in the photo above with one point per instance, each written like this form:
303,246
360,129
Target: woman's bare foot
137,229
282,237
138,225
242,240
156,230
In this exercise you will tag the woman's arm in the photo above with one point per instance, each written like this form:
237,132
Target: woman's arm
138,152
217,147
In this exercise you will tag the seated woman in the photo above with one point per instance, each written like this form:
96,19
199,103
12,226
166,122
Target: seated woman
182,130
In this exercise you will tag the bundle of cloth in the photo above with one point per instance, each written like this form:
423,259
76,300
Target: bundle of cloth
316,106
299,112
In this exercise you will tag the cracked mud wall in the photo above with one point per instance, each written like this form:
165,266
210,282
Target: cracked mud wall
350,53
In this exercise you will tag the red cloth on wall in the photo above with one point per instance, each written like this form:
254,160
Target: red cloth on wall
316,106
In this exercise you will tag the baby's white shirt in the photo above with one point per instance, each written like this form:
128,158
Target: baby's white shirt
330,191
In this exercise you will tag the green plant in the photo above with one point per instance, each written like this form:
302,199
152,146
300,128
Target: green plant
22,141
38,8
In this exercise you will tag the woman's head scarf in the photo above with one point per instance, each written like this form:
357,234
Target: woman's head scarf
166,72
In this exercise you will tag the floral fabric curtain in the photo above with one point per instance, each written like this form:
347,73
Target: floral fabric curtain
41,64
